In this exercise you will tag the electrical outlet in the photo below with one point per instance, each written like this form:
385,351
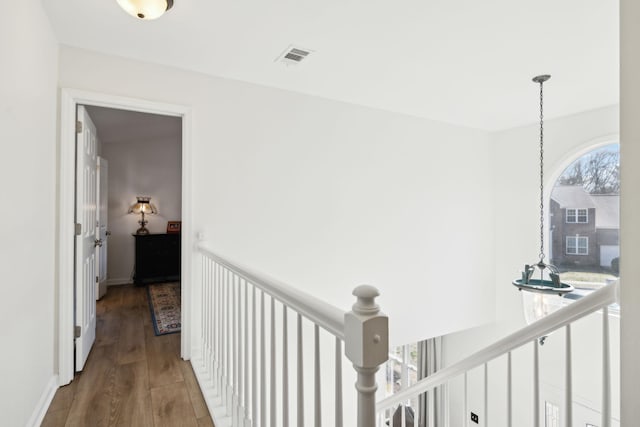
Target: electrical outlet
474,418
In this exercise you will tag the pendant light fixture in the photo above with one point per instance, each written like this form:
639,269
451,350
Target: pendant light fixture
541,296
146,9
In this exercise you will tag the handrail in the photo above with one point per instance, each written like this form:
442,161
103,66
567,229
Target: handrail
601,298
323,314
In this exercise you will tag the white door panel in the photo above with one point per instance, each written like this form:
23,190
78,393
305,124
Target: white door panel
86,213
103,227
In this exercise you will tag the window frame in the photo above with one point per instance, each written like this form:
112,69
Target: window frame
577,238
576,215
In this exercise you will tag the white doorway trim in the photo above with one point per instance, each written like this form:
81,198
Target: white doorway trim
69,100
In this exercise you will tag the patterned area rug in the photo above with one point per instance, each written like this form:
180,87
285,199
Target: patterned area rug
164,302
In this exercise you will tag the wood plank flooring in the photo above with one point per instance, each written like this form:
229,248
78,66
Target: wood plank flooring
132,377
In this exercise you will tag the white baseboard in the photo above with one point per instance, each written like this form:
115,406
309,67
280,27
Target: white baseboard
43,403
217,409
120,281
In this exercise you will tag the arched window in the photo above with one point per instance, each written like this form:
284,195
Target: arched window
584,219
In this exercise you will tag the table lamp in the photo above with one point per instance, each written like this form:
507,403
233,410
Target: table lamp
143,206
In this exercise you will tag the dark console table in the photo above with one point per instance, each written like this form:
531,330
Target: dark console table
157,258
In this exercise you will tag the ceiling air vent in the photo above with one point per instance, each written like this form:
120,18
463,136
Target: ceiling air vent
293,55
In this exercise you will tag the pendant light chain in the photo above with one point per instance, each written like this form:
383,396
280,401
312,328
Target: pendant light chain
542,286
542,255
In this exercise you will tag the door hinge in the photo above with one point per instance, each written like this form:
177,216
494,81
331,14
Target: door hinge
78,126
97,280
77,332
78,229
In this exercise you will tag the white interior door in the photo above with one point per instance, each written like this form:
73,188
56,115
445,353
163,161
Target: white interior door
103,226
86,239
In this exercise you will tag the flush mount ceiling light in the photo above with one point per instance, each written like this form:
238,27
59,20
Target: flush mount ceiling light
145,9
541,296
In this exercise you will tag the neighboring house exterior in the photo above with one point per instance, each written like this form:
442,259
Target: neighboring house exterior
584,228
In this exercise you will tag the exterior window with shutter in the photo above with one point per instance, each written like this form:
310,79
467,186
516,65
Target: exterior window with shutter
579,216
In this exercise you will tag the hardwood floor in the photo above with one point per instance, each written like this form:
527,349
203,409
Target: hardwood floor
132,377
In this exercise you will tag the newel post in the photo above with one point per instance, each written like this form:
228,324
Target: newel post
367,346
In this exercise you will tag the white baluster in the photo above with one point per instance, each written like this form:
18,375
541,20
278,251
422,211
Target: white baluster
536,384
263,366
240,380
300,376
465,416
227,370
606,370
254,360
223,337
285,369
203,308
203,316
235,313
447,400
246,351
486,395
210,309
404,382
338,392
272,388
509,391
222,327
403,414
209,317
568,382
218,327
317,379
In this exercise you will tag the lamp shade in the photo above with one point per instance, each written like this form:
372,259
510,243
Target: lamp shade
538,305
146,9
143,205
541,297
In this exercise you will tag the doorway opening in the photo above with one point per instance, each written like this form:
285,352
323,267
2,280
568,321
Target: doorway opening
143,152
137,166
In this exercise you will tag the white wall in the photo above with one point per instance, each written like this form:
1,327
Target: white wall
516,214
629,206
140,168
27,238
326,195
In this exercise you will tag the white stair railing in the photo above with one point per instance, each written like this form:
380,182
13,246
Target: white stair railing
253,338
261,352
600,299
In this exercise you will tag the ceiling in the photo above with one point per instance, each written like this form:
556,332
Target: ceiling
121,126
465,62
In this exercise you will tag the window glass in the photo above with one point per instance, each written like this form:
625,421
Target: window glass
583,245
551,415
577,215
401,373
582,215
584,219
